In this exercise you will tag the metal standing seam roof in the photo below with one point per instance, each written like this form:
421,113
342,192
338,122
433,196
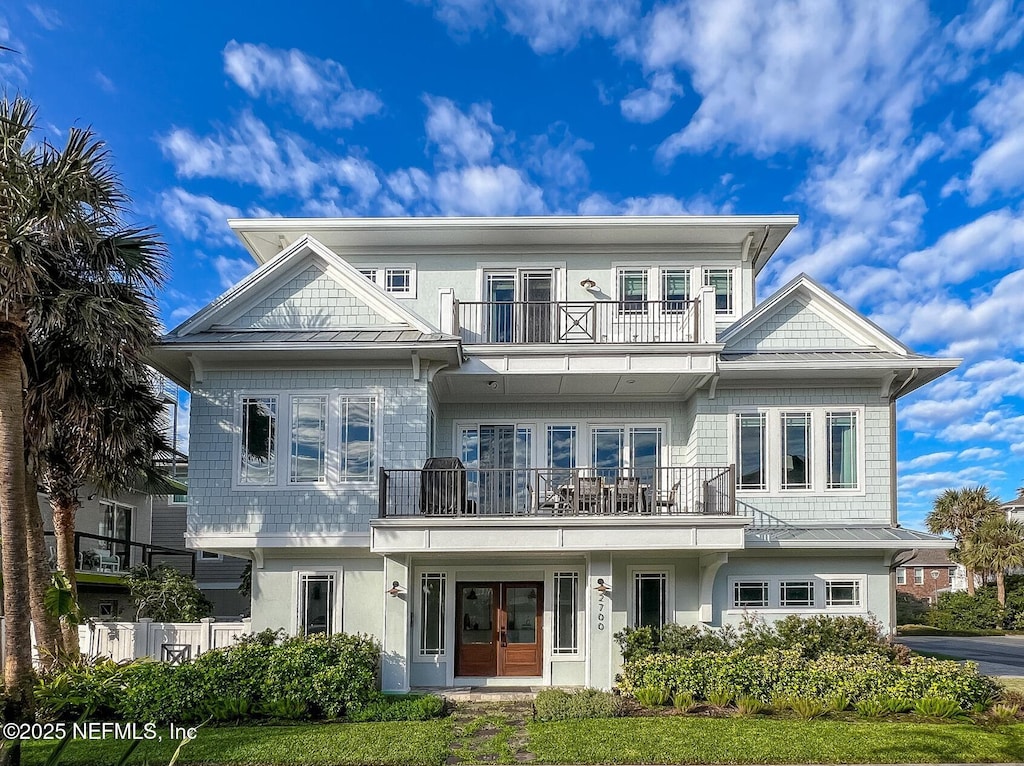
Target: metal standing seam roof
307,336
840,535
818,356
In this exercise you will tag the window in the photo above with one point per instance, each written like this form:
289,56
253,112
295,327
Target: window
901,576
616,447
109,609
561,454
750,441
309,440
330,438
399,281
842,450
259,440
650,599
633,291
721,280
433,591
750,594
919,576
565,640
794,593
178,499
316,603
209,556
358,443
842,593
675,289
796,439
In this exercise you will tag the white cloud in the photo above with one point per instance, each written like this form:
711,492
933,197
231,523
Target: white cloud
547,25
319,90
939,480
988,26
106,84
806,72
979,453
198,217
651,103
232,270
1000,167
358,175
926,461
245,153
48,18
498,190
14,63
458,136
654,204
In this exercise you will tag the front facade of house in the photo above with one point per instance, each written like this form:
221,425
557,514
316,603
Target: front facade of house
494,443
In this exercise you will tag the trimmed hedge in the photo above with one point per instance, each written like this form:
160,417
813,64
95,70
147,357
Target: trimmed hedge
786,673
563,705
328,675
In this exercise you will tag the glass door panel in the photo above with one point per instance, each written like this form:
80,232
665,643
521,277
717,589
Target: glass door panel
501,294
537,289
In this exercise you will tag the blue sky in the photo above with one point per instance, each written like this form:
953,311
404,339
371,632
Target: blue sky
895,131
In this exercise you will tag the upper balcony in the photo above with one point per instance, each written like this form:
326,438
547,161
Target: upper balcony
561,323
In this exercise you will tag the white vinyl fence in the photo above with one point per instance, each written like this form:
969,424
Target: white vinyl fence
166,641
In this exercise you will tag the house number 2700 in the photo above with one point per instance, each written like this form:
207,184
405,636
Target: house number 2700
600,611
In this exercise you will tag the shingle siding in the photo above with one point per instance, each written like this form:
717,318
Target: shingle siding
794,326
216,508
310,300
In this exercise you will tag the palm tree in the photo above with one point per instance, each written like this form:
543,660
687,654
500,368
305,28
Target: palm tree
960,512
60,224
997,546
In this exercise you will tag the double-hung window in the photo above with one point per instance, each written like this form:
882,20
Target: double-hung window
675,290
901,575
796,440
328,438
842,450
751,437
633,291
919,576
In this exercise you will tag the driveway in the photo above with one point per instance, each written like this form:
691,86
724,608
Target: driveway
995,655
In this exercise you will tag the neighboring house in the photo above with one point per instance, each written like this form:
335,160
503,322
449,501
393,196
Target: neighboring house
1015,508
112,535
625,436
217,576
927,573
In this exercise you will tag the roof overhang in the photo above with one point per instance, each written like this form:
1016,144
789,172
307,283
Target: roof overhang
757,236
892,539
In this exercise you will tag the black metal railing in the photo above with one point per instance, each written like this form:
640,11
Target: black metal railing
707,490
577,322
111,555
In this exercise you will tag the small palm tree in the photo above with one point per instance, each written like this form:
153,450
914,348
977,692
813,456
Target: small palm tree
960,512
997,546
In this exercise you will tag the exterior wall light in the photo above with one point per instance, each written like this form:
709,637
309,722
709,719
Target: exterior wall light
493,385
601,587
588,284
395,589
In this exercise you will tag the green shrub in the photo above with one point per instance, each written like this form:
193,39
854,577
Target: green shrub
807,707
720,697
91,688
683,701
635,643
962,611
229,709
786,673
1001,714
911,610
398,707
837,703
871,708
750,705
937,707
285,708
652,696
897,705
562,705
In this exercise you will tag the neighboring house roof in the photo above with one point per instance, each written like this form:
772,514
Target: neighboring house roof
804,328
928,558
1016,503
889,538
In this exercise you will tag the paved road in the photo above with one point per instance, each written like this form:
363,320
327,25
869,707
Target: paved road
995,655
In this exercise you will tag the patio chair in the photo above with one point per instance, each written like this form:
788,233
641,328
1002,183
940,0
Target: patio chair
669,503
626,495
589,494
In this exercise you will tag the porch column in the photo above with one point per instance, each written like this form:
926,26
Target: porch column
709,566
394,667
602,654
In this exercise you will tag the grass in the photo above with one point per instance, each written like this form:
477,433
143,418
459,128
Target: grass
417,743
1012,683
757,740
928,630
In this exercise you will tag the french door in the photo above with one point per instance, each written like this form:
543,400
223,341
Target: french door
497,457
520,306
498,629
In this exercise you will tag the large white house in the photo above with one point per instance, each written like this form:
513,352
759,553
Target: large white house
495,442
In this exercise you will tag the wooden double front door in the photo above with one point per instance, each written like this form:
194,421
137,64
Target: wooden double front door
498,629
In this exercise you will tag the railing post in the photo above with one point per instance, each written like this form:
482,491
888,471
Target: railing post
449,318
382,493
206,634
706,316
732,489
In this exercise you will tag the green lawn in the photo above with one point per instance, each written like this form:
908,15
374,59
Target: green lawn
407,742
769,740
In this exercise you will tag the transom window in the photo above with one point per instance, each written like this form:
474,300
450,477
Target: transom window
842,593
331,438
818,592
399,281
750,593
673,287
796,593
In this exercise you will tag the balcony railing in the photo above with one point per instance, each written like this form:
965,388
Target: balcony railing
496,492
577,322
111,555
